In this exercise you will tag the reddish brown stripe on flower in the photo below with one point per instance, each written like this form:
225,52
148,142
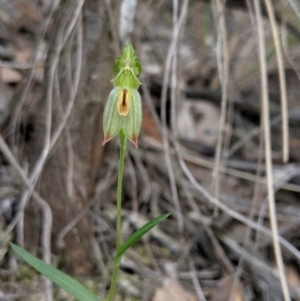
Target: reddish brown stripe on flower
124,99
106,139
133,139
123,102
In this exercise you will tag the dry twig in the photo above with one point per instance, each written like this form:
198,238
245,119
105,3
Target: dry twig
170,55
268,149
223,68
282,82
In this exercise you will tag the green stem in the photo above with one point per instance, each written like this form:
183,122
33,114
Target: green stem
123,142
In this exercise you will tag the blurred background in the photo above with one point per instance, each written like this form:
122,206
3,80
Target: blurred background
204,152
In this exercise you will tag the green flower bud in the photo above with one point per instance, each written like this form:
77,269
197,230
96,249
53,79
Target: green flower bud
123,111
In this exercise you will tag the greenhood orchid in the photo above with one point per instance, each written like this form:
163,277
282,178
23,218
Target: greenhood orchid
123,110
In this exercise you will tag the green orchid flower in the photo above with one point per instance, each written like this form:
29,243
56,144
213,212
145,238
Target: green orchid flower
123,110
123,117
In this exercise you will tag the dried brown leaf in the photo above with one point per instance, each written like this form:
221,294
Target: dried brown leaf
9,75
172,290
223,289
293,276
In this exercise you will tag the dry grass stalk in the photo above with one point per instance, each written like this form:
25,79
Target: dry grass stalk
268,150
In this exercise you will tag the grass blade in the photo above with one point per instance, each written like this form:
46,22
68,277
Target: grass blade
61,279
132,239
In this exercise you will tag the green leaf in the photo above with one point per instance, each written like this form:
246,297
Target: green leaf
61,279
138,234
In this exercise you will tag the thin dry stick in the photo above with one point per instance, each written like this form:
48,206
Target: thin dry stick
40,163
261,215
230,171
144,176
48,145
52,61
73,92
48,93
268,149
195,280
255,261
47,213
72,22
295,7
247,255
34,65
257,184
282,82
19,65
149,102
285,48
174,70
219,251
69,177
113,27
68,140
69,146
223,67
131,170
73,88
251,215
255,131
228,210
83,211
163,114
